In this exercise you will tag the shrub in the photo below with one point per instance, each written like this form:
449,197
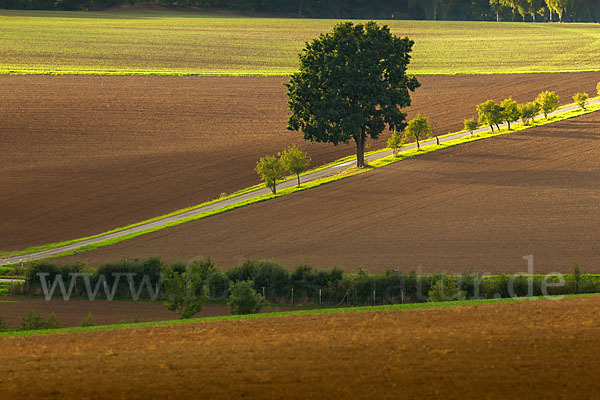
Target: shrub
396,141
218,285
138,272
243,299
581,99
51,271
185,291
35,321
268,274
444,289
87,321
574,280
471,125
52,322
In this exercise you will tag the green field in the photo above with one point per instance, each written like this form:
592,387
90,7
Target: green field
177,43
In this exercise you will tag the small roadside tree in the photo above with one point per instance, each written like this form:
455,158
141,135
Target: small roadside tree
295,161
581,99
510,112
418,128
396,141
471,125
548,102
243,299
352,83
271,170
490,113
185,291
528,111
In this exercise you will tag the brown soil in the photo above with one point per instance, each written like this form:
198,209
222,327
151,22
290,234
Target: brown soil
81,155
71,313
530,349
480,207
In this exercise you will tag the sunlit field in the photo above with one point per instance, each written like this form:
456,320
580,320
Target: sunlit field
194,44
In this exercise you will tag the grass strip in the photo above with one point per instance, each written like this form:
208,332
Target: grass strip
395,307
516,127
240,73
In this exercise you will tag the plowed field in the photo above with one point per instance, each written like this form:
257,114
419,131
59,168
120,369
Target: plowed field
82,155
71,313
530,349
480,206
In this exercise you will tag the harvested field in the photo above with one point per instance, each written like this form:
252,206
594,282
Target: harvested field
529,349
71,313
480,206
82,155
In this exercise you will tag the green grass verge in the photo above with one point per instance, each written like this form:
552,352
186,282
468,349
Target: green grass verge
396,307
516,127
171,43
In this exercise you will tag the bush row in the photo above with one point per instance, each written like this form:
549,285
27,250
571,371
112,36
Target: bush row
142,279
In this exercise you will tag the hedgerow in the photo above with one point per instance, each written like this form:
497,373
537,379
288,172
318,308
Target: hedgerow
305,284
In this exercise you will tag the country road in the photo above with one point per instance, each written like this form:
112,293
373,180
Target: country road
235,200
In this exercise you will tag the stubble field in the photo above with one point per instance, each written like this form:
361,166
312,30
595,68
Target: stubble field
528,349
83,155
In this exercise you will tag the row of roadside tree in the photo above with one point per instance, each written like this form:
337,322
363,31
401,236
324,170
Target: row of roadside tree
272,169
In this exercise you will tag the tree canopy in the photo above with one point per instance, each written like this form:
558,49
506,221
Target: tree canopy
352,84
548,102
490,113
510,111
418,128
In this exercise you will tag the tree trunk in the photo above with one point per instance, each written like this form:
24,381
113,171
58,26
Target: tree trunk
360,149
437,139
513,15
492,126
533,15
550,13
418,144
508,122
300,9
298,175
497,16
274,188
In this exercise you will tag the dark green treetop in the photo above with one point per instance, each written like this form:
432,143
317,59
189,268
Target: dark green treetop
352,83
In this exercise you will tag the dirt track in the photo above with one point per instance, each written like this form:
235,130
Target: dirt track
480,207
81,155
531,349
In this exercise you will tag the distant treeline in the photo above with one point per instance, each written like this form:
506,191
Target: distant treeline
505,10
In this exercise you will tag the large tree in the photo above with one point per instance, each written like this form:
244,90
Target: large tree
352,83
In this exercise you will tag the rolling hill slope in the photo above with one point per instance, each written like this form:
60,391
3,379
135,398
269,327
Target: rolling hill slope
481,206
